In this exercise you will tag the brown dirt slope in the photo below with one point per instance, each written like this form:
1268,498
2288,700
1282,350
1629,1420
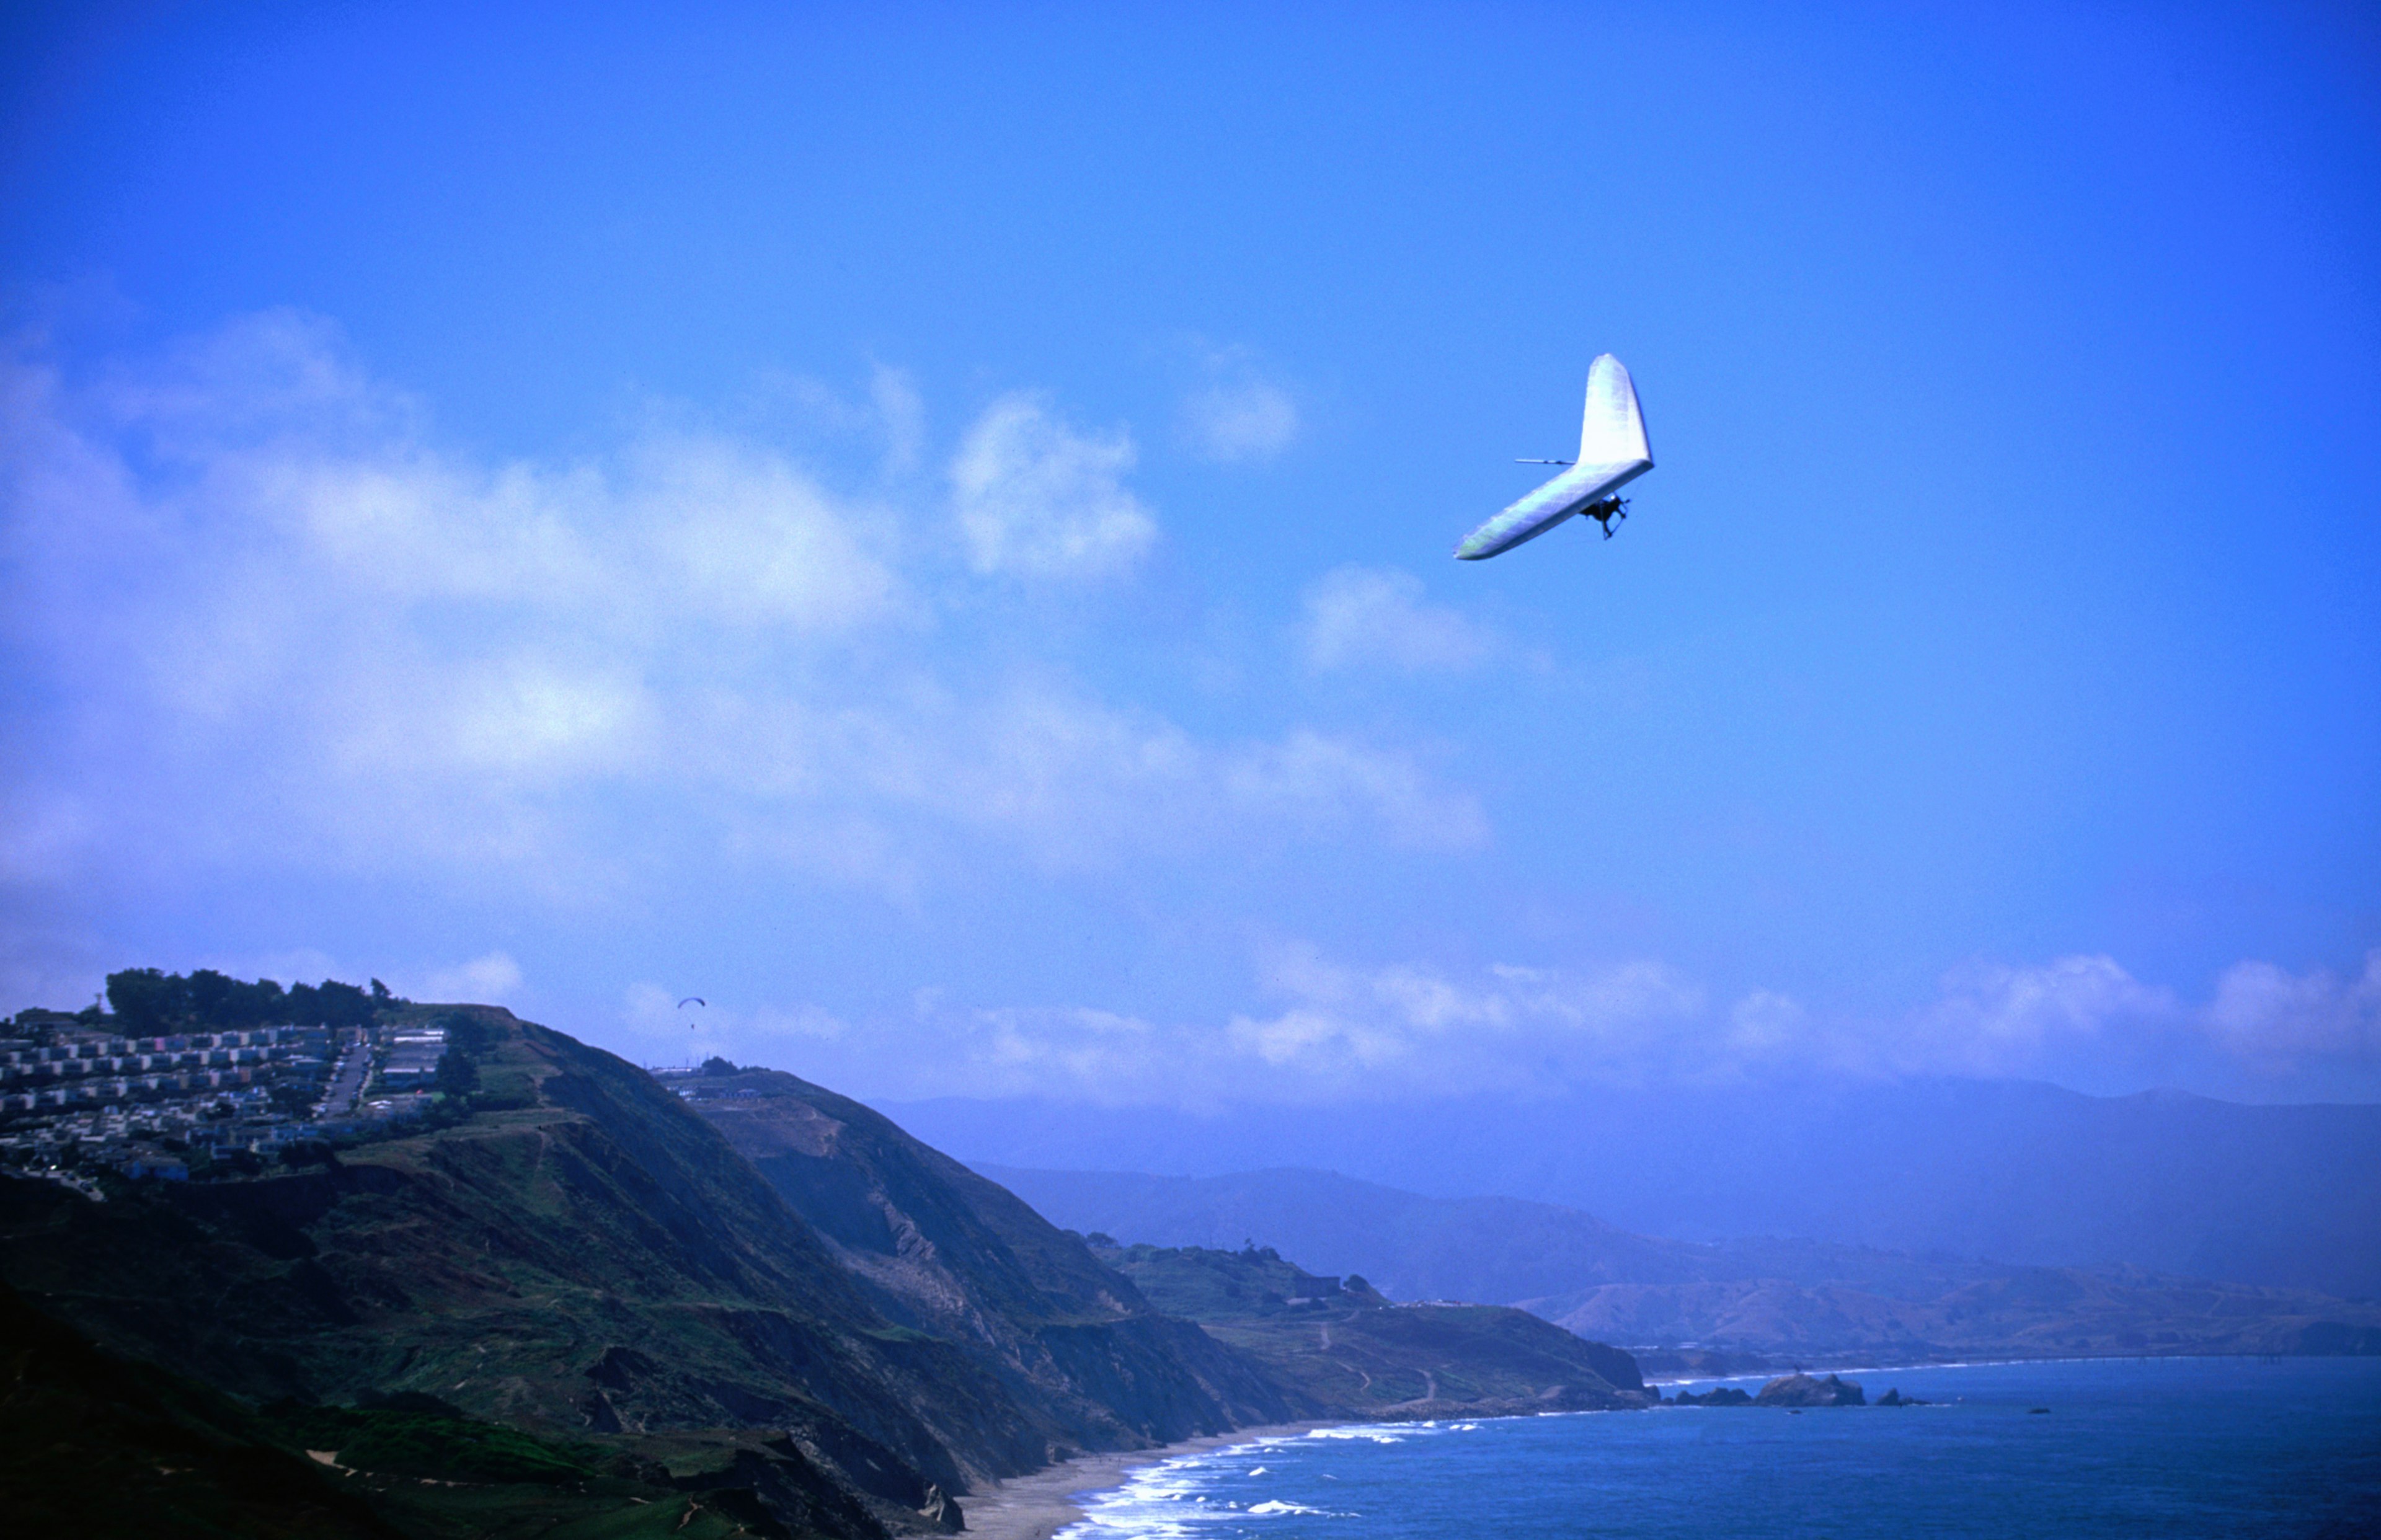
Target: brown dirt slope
945,1251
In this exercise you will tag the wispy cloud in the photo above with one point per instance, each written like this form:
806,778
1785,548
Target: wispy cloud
1362,617
491,979
1037,499
1239,415
2262,1021
1335,1032
663,1031
2279,1021
1241,424
1997,1019
264,622
1403,1031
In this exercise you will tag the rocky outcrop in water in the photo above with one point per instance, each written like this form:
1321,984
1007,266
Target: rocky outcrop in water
1802,1390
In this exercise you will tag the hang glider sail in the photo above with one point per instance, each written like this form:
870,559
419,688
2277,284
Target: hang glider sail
1612,453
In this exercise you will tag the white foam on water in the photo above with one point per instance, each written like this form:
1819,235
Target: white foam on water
1180,1499
1169,1500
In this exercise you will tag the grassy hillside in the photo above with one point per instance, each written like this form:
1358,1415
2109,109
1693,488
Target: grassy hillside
1350,1352
577,1254
95,1445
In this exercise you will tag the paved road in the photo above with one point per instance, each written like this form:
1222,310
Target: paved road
346,1081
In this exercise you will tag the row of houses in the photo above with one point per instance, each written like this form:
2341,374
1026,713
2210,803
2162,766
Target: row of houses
150,1107
414,1055
49,1063
101,1045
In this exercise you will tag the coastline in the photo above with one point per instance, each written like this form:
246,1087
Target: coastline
1037,1506
1822,1367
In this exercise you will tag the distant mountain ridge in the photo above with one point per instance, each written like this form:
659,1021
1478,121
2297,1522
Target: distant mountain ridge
1763,1297
2015,1171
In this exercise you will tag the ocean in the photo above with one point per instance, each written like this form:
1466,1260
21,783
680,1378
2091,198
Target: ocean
2165,1448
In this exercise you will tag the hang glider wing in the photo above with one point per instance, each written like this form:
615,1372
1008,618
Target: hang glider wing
1612,453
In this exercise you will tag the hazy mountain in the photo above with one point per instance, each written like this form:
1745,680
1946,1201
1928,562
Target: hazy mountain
1764,1297
2289,1196
1342,1345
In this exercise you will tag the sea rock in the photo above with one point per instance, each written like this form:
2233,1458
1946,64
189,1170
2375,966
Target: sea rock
1800,1391
942,1510
1722,1395
1895,1398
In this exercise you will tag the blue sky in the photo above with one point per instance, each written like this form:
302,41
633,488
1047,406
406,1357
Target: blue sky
929,527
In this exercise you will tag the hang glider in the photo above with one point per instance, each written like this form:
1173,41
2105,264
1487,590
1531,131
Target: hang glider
1612,453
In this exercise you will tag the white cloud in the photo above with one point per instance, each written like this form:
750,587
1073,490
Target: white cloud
1237,416
494,979
1036,499
1240,424
1510,1029
1765,1024
1376,618
1410,1031
270,624
1997,1019
664,1032
2087,1017
1339,1033
2277,1020
1077,780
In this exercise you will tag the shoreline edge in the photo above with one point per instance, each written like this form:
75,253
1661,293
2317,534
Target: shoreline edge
1038,1505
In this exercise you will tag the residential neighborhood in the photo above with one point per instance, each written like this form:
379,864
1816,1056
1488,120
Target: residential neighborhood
76,1094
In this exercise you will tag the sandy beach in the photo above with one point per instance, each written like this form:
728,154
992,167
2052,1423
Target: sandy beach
1039,1505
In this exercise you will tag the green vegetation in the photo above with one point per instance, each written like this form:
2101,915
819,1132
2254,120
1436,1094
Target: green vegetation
148,1002
571,1300
93,1445
620,1318
414,1434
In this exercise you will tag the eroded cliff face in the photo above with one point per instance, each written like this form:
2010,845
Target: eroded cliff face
953,1255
